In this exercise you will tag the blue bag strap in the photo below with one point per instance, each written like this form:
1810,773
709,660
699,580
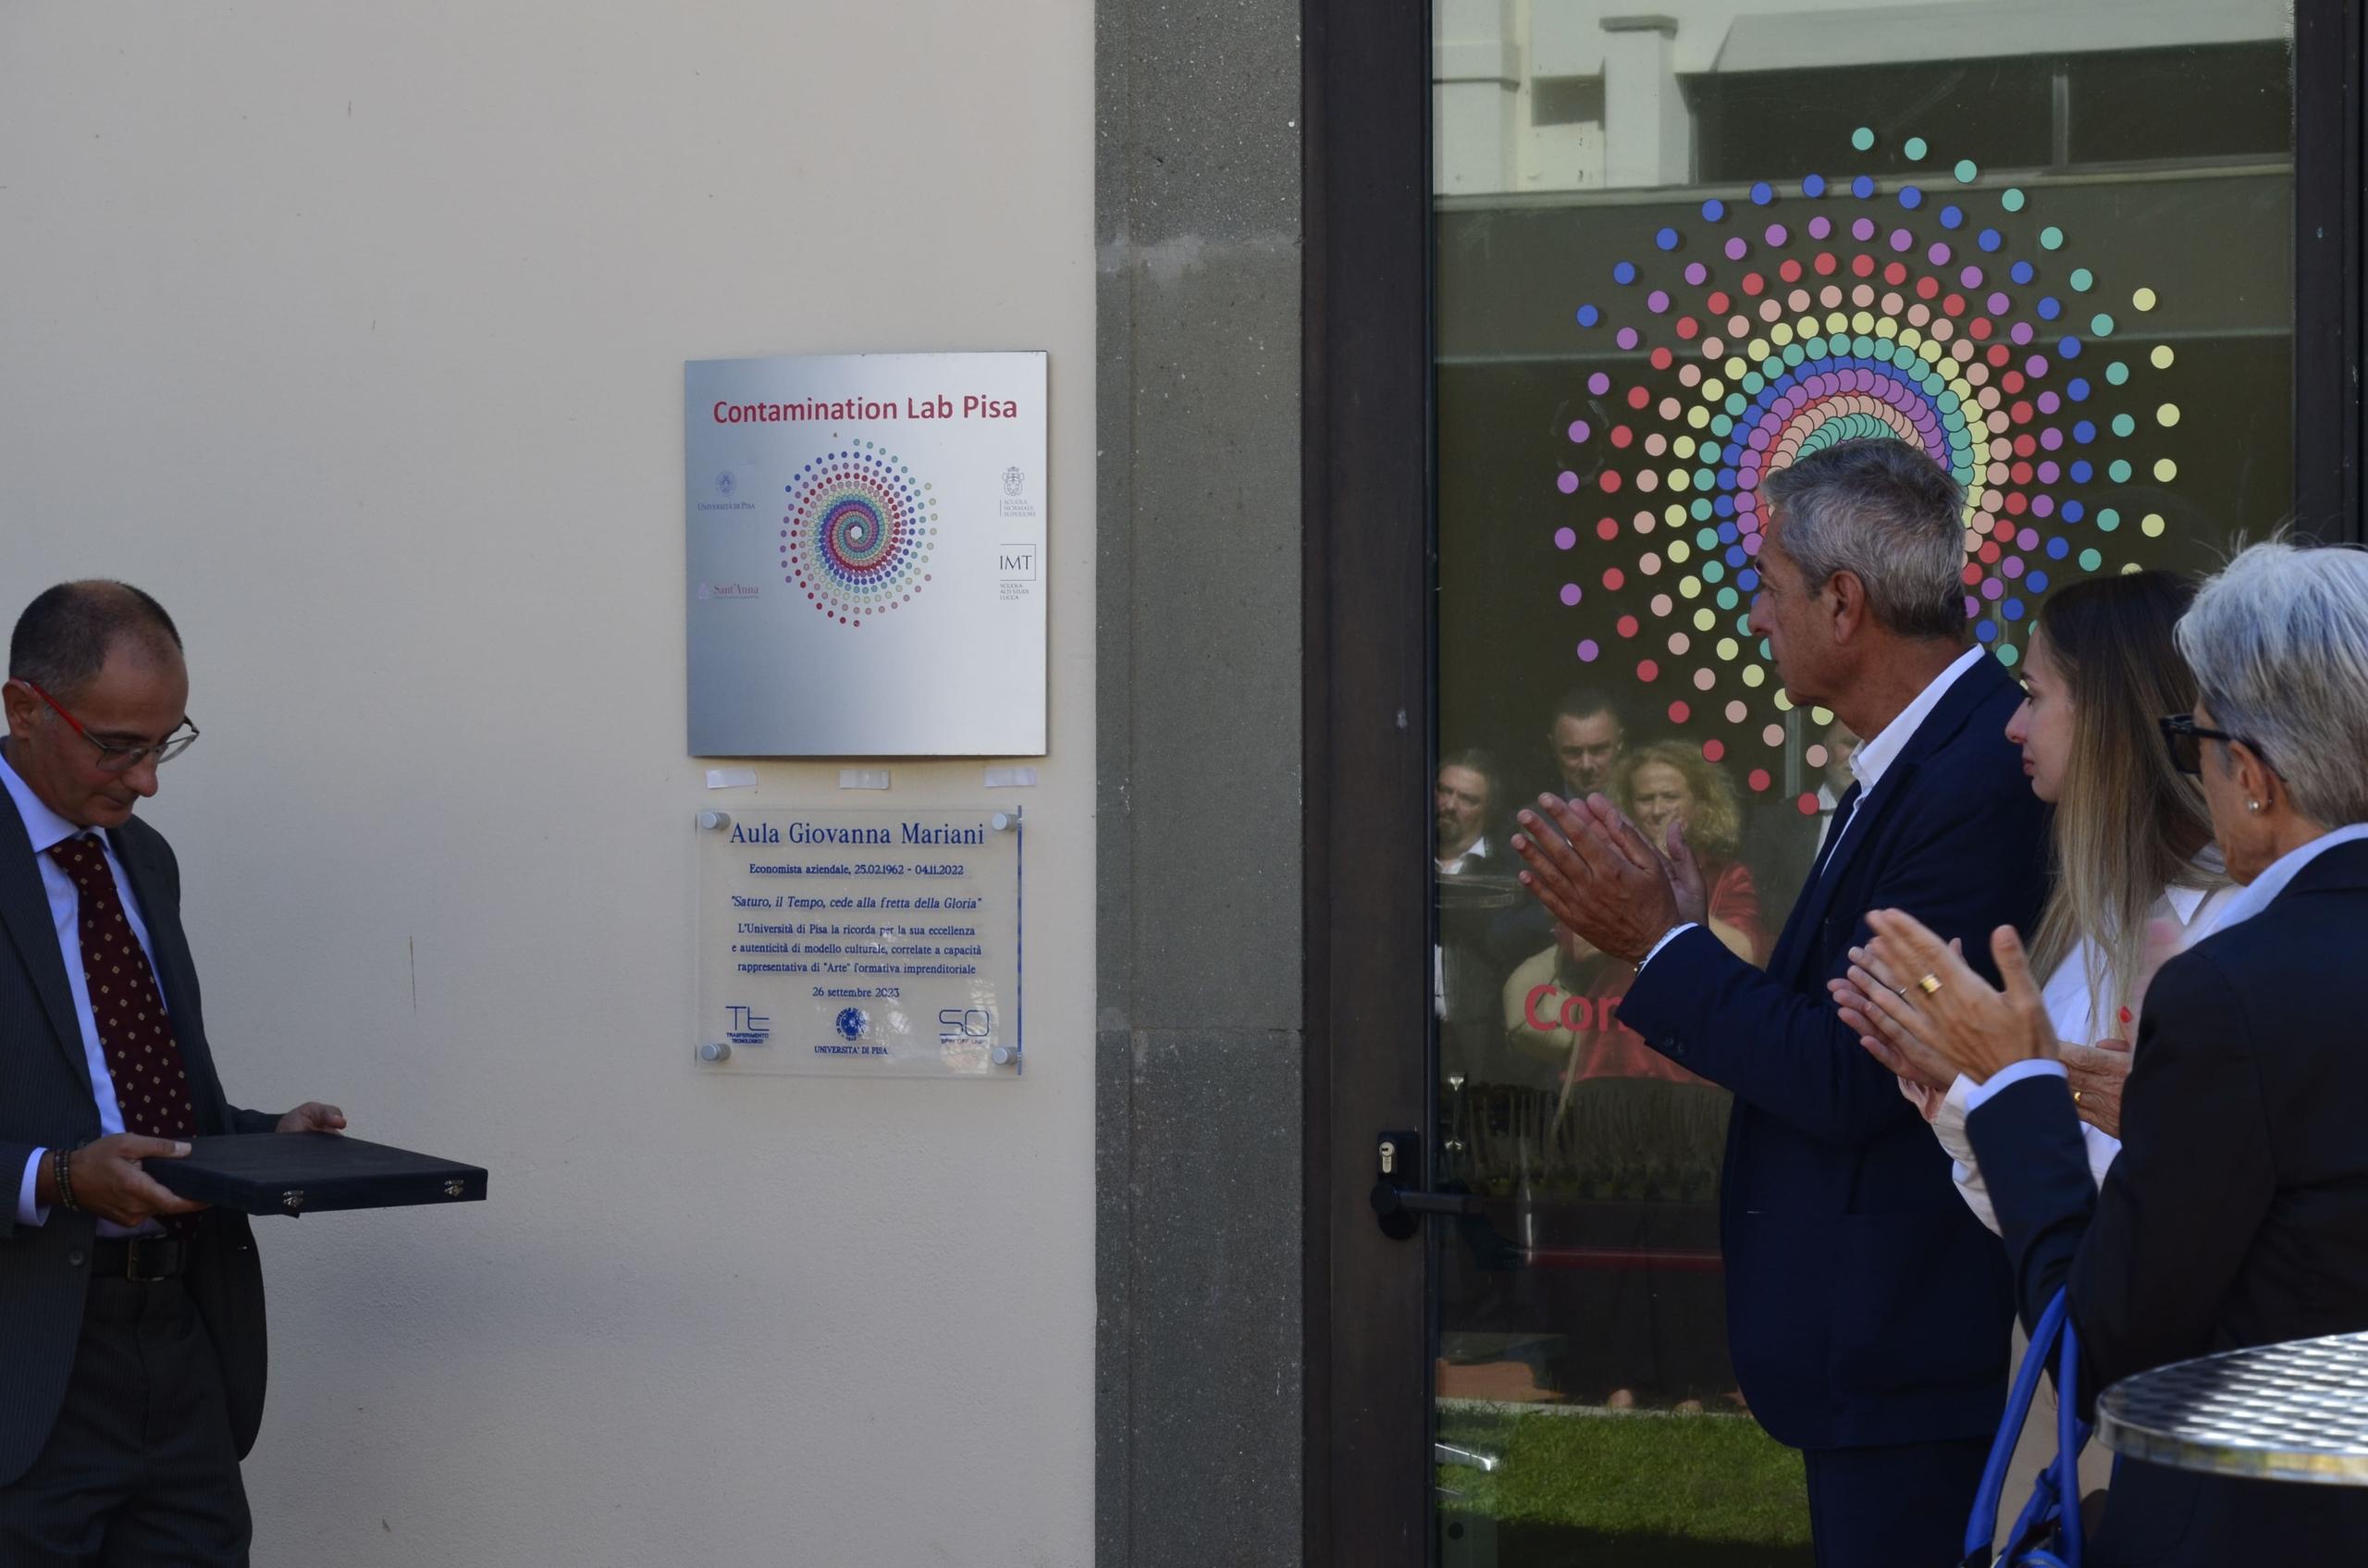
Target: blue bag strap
1981,1526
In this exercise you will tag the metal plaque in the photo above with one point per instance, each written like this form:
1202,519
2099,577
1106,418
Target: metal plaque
863,943
865,537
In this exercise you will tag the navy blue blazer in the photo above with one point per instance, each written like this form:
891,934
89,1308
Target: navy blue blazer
1866,1305
2236,1215
46,1101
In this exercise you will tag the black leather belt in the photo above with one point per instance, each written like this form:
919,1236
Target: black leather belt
146,1260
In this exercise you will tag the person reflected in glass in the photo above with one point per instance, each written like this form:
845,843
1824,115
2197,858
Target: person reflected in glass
1669,786
1470,857
1586,738
1644,1134
2237,1212
1464,807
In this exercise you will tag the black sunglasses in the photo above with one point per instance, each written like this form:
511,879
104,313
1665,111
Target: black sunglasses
2186,738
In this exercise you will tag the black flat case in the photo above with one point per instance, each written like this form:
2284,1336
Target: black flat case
298,1173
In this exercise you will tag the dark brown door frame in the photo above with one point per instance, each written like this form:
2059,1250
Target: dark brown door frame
1368,521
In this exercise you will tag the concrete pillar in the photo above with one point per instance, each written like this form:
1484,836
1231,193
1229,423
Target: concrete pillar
1648,131
1475,97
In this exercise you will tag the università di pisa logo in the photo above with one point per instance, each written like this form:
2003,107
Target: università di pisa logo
857,533
1937,310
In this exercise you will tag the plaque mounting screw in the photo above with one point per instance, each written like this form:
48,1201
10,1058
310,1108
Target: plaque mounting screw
714,821
715,1051
1004,1056
1003,821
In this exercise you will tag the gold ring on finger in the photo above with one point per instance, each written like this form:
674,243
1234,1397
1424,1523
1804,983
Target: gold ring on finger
1930,985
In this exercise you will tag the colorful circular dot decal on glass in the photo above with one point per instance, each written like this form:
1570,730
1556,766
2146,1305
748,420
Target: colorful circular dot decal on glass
1747,347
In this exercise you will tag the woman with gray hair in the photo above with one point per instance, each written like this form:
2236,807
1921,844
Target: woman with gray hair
2237,1212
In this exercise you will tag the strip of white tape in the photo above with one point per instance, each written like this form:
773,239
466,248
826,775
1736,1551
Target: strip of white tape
1010,778
863,777
732,778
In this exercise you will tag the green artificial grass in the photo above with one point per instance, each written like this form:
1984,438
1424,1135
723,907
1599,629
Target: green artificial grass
1675,1492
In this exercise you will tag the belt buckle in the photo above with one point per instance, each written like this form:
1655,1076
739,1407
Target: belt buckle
138,1247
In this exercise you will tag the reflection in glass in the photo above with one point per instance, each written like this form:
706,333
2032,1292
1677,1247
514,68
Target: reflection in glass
1674,251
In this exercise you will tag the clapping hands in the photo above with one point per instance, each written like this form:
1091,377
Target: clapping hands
1947,1019
1600,879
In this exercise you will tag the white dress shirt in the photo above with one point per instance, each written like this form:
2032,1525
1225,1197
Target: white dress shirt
47,828
2073,1009
1456,864
1868,764
1467,862
1826,801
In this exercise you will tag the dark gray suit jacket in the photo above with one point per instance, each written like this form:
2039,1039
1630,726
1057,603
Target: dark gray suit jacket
46,1101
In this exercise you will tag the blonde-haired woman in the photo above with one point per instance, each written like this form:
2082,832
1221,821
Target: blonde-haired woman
2137,880
1670,782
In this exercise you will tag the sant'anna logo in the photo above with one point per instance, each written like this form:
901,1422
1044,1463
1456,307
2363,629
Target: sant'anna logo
1012,480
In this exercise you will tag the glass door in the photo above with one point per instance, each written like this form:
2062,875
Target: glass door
1670,254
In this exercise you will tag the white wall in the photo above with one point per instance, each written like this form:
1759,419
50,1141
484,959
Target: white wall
353,331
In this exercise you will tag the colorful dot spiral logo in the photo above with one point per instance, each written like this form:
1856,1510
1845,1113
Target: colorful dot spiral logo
859,534
1757,341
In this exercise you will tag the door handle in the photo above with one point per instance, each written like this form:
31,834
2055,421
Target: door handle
1398,1198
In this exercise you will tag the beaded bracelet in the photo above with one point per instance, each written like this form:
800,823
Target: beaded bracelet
62,1163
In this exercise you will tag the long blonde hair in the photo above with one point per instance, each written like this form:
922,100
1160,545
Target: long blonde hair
2129,825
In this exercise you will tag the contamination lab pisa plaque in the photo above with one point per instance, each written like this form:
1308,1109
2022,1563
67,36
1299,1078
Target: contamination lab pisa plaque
860,942
866,542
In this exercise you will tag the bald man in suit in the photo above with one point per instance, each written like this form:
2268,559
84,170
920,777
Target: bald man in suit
131,1373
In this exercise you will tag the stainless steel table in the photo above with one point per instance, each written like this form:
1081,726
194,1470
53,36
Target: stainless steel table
2296,1412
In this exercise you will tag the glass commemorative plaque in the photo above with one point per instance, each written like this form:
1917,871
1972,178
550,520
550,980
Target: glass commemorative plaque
869,942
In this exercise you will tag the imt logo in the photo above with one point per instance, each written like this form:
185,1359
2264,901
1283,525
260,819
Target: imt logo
1017,562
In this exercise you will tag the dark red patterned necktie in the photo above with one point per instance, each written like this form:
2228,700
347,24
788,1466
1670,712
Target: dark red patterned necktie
135,1032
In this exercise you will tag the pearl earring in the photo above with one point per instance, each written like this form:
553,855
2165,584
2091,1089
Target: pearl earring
2252,805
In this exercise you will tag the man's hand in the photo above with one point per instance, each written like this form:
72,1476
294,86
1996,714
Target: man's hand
1978,1029
108,1181
313,1117
1596,874
1685,877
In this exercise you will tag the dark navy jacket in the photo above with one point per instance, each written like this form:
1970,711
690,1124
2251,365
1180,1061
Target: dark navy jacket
1866,1305
2236,1215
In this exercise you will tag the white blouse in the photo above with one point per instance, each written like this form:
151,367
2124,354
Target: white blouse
2196,912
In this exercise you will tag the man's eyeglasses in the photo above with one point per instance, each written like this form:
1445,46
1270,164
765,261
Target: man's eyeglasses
115,759
2186,738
